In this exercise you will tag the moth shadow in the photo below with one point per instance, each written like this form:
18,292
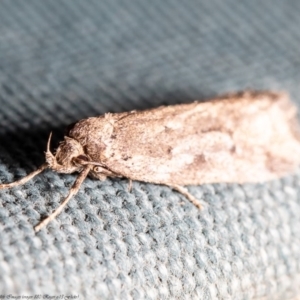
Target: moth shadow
25,147
155,99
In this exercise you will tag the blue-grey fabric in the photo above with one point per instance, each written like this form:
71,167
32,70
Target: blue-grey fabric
61,61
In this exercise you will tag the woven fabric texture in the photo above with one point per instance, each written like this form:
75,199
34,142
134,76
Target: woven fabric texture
61,61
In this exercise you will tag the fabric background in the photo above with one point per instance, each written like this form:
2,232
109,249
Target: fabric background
61,61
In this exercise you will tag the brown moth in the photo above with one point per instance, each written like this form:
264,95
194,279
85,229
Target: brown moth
242,137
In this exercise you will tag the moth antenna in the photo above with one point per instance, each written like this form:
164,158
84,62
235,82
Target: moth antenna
48,143
73,191
49,154
26,178
187,194
50,158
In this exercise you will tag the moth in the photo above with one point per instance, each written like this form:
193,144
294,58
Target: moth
241,137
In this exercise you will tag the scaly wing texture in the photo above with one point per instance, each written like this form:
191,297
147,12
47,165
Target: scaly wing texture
246,137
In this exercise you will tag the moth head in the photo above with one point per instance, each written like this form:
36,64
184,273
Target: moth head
69,156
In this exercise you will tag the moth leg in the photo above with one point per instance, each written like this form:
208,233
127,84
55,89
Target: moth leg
130,185
182,190
73,191
101,173
24,179
99,176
